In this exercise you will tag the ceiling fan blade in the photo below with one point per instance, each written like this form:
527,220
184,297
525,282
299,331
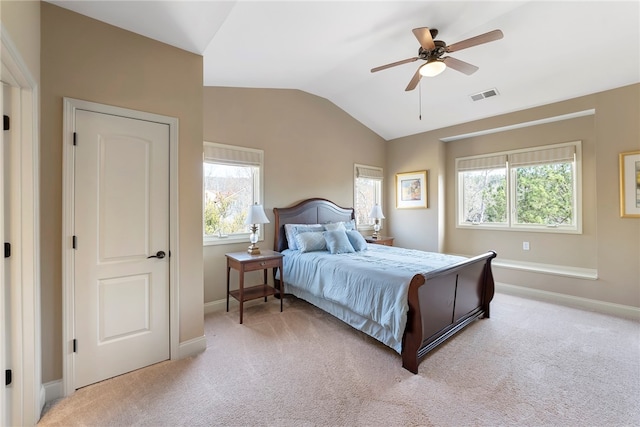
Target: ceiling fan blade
414,80
393,64
424,38
474,41
463,67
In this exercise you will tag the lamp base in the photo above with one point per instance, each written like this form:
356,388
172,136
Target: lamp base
253,250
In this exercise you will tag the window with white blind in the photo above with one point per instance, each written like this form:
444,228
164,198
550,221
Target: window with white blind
232,182
533,189
367,193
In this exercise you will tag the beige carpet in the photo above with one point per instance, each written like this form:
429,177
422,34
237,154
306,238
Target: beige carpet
531,364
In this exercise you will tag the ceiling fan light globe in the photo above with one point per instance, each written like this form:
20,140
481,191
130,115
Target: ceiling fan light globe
432,68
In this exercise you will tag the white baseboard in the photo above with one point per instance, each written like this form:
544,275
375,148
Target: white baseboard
558,270
192,347
43,399
569,300
52,390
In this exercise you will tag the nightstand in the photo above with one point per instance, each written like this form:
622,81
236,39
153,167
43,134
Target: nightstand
381,240
243,262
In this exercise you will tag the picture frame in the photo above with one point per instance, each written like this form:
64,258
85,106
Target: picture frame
411,190
630,184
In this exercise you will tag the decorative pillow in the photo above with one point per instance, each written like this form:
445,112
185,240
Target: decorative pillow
292,230
311,241
356,240
338,242
335,226
350,225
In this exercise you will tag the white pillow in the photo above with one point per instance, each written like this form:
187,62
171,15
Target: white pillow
338,242
311,241
292,230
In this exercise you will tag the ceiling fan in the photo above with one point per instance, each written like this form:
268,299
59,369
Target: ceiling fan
432,51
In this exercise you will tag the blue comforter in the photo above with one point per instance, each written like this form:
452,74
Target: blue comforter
373,283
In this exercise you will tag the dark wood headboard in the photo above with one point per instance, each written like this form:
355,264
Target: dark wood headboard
310,211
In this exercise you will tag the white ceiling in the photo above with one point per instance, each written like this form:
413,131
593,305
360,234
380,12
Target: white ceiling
551,51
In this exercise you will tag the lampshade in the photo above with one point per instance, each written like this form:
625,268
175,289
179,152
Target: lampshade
256,215
376,212
432,68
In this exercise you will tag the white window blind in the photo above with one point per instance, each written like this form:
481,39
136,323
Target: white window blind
549,155
481,163
370,173
226,154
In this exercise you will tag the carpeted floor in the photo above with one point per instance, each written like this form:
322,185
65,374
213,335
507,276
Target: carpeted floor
531,364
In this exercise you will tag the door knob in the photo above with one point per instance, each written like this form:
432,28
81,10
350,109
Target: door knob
159,254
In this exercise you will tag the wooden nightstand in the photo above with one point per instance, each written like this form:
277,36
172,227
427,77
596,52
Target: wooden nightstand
381,240
243,262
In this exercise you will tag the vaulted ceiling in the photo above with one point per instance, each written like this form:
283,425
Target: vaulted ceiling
551,51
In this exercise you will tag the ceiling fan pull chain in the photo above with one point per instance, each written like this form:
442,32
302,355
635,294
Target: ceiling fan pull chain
420,100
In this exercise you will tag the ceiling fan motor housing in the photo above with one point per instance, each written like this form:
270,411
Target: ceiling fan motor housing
437,52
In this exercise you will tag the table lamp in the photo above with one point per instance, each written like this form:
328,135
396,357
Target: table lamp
255,216
376,214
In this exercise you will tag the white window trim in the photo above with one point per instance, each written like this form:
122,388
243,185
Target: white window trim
376,172
566,229
258,193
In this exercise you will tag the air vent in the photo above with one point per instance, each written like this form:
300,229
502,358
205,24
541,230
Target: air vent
482,95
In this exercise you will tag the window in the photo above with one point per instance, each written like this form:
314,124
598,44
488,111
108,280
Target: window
367,193
232,181
532,189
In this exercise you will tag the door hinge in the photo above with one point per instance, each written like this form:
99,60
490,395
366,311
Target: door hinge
74,242
75,138
75,345
6,122
7,373
7,250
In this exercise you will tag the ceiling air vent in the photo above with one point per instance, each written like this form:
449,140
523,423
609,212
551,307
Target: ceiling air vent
482,95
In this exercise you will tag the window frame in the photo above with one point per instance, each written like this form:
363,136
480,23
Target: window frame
233,155
510,174
369,172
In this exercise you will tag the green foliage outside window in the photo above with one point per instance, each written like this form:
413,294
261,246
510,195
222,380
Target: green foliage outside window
227,197
485,196
544,194
217,212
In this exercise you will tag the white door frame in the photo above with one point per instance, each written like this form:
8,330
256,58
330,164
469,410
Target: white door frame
68,315
28,392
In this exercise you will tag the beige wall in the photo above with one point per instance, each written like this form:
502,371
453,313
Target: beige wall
608,243
21,20
86,59
310,148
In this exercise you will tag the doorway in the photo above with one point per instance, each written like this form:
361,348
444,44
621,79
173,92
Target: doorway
119,229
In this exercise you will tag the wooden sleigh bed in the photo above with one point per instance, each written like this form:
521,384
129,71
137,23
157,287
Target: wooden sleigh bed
441,302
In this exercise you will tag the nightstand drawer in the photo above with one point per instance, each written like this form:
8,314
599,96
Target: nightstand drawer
261,264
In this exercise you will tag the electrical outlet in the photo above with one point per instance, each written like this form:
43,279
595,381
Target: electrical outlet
525,246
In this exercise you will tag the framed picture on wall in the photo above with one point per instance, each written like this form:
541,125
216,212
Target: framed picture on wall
411,190
630,184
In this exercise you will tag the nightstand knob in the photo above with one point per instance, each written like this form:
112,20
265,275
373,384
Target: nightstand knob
263,263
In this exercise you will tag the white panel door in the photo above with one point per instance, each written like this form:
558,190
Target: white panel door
121,226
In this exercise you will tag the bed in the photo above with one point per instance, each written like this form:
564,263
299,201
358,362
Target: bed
407,306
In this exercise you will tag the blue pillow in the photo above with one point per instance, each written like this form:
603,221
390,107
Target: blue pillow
338,242
292,230
335,226
311,241
357,241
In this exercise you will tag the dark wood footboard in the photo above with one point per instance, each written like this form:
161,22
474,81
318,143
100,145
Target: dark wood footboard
443,302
